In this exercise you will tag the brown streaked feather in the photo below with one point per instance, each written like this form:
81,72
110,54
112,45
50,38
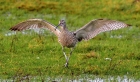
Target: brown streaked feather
35,23
97,26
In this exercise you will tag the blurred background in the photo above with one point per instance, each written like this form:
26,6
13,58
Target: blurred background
75,12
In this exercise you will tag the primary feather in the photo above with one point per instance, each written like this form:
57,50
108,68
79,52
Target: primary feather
35,23
97,26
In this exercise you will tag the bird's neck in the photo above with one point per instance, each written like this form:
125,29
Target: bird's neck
64,28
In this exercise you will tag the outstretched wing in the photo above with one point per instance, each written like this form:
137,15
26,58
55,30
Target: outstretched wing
95,27
35,23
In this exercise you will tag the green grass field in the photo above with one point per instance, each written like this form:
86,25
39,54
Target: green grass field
41,55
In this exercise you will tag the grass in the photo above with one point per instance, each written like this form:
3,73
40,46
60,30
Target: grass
41,55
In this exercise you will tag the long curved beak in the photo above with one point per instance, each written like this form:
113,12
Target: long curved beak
57,26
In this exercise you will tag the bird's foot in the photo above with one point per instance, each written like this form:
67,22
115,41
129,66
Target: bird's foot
66,65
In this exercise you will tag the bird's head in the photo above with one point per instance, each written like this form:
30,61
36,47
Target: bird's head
62,24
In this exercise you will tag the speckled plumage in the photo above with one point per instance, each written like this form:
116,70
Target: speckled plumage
67,39
70,39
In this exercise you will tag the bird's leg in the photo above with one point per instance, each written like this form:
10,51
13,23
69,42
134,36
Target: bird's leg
66,64
71,50
67,60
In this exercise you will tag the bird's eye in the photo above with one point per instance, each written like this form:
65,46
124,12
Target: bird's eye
62,23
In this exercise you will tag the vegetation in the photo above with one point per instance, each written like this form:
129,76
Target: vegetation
112,53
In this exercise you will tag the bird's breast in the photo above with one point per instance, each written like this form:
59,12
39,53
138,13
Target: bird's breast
67,39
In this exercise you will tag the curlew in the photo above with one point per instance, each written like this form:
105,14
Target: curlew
67,38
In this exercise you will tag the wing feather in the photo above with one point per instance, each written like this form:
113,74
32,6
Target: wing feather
97,26
35,23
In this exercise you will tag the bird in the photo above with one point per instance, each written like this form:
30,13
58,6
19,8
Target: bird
68,38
